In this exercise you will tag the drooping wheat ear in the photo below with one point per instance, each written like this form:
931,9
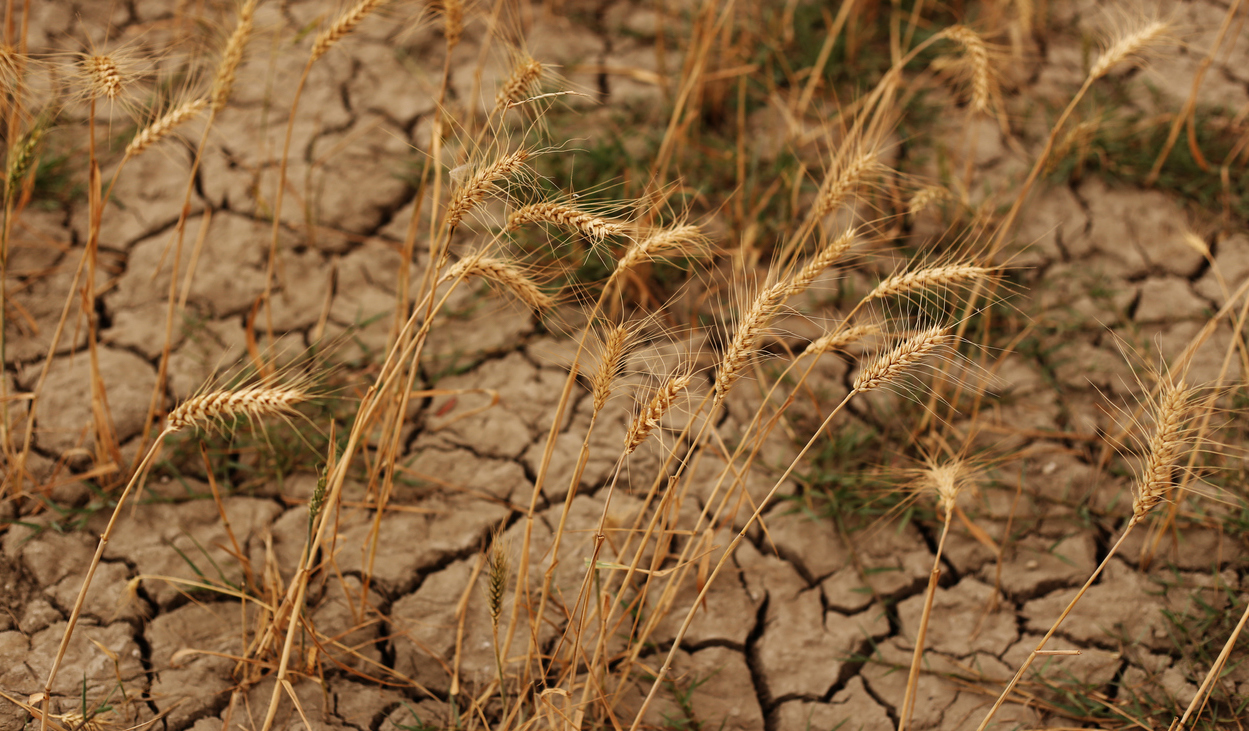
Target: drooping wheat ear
823,259
929,278
481,182
684,240
496,580
745,341
946,480
839,339
595,228
231,57
452,21
505,274
648,420
160,129
104,77
346,23
519,84
610,362
890,366
978,58
1128,45
1165,447
845,177
214,408
925,197
21,156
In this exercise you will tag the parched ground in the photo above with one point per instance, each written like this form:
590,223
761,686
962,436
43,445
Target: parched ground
813,625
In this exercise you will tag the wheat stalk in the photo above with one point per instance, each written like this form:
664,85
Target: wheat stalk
162,127
216,407
888,367
345,23
595,228
1128,45
746,339
648,420
928,278
1165,447
481,182
505,274
978,56
231,57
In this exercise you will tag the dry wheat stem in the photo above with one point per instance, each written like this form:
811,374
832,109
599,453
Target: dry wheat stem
648,420
929,278
503,273
595,228
746,340
1128,45
890,366
1165,447
162,127
345,23
231,57
480,183
978,56
216,407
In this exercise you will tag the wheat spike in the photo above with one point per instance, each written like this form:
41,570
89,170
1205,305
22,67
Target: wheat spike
978,56
519,84
1128,45
160,129
648,420
823,259
844,179
231,57
925,197
928,279
610,362
595,228
888,367
104,77
945,480
21,156
213,409
1165,446
496,580
684,240
481,182
452,22
754,324
506,274
839,339
345,23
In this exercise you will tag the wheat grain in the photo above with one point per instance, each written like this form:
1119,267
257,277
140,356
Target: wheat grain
481,182
611,361
754,324
158,130
231,57
1165,447
594,227
1126,46
648,420
978,56
215,408
839,339
345,23
928,278
888,367
823,259
506,274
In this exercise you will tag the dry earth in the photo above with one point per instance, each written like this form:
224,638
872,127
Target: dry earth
812,628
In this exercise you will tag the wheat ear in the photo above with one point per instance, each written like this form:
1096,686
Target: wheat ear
648,420
104,77
216,407
595,228
844,179
1165,447
162,127
481,182
452,22
890,366
745,341
929,278
345,23
519,83
506,274
978,56
684,240
1127,46
822,260
610,362
231,57
839,339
